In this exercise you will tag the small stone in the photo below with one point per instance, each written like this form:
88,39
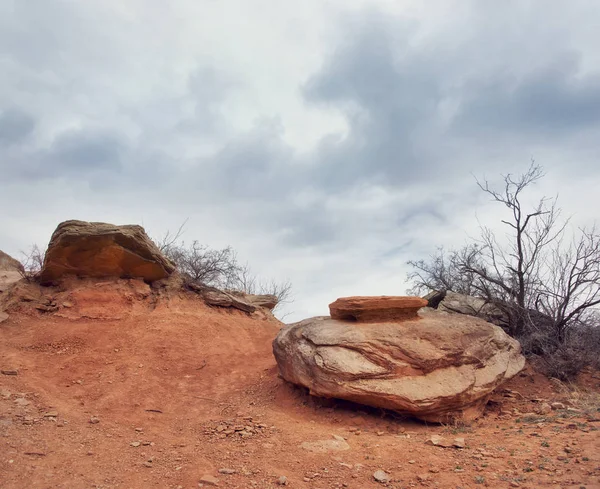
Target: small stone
51,414
148,464
10,372
557,406
411,462
438,441
139,430
67,304
459,442
543,408
514,484
423,477
209,480
380,433
135,443
227,471
381,477
282,481
94,420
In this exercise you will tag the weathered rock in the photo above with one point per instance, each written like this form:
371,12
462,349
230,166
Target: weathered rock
95,249
3,316
324,446
7,263
381,476
371,309
216,297
11,271
438,367
209,480
434,298
472,306
268,301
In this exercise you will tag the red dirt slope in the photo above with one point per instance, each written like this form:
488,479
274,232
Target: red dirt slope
119,386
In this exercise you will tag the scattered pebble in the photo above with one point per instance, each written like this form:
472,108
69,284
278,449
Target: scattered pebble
381,476
282,481
94,420
227,471
135,443
208,480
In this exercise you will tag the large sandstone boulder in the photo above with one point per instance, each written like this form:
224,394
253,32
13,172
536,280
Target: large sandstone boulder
436,366
96,249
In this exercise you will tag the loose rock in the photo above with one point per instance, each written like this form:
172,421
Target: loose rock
209,480
381,476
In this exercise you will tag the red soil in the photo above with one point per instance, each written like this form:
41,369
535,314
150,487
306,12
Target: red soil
175,375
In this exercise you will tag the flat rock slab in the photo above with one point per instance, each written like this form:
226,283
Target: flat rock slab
97,249
440,367
373,309
323,446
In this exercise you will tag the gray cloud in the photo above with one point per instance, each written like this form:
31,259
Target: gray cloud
15,126
133,125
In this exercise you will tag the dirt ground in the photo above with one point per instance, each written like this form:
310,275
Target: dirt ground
119,390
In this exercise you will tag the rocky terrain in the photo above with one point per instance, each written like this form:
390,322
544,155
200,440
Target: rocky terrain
121,382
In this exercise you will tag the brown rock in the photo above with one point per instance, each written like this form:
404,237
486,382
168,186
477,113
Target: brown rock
441,367
3,316
103,250
268,301
371,309
216,297
209,480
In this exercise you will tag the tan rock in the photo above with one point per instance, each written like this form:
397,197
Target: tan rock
439,367
370,309
324,446
11,271
8,263
268,301
103,250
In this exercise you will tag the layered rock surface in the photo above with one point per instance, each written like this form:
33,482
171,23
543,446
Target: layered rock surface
436,366
10,270
95,249
372,309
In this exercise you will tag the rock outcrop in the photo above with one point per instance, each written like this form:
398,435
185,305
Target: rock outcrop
95,249
473,306
11,271
436,366
372,309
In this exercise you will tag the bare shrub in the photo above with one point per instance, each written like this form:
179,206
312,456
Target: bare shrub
32,261
218,268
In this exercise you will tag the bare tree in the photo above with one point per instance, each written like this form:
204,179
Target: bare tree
571,288
440,272
530,274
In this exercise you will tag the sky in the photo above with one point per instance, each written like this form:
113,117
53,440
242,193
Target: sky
328,142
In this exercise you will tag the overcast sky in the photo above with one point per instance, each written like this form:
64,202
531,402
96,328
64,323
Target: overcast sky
327,141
